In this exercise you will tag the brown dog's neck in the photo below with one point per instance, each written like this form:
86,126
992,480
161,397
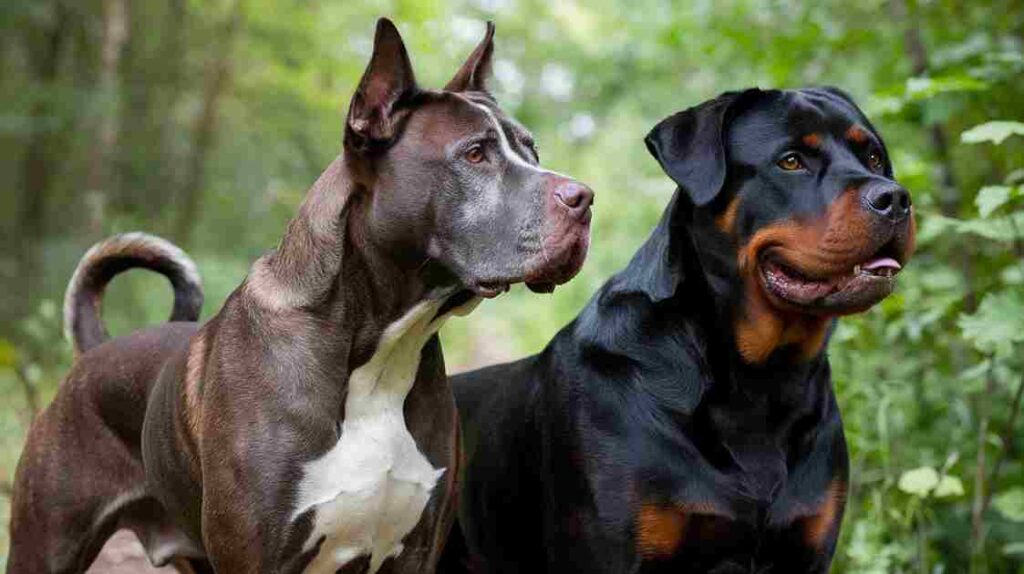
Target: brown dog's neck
328,263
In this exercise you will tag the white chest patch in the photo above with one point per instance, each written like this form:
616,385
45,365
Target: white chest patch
370,489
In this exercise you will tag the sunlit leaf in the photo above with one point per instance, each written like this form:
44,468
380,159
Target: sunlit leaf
1014,549
997,324
992,197
925,88
919,481
977,371
1010,504
995,132
949,487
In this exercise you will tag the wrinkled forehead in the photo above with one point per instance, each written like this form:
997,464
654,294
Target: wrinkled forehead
806,117
447,118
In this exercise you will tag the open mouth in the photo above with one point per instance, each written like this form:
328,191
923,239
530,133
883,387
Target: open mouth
849,291
491,289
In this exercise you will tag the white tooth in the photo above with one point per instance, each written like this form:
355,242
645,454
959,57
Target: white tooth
856,269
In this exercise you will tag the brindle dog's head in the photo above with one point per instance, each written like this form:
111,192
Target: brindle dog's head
796,212
455,181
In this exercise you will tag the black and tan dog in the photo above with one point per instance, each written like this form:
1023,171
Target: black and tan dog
309,426
685,421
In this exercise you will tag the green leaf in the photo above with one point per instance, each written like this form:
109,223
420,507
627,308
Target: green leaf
1010,504
1013,549
992,197
997,324
949,487
995,132
977,371
926,88
8,354
1005,228
919,481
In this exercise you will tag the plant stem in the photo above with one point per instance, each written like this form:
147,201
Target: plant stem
977,507
1006,443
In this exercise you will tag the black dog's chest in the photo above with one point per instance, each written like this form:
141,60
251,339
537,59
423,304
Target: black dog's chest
693,537
763,513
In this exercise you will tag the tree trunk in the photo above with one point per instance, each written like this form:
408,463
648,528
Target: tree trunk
98,180
217,82
44,42
44,50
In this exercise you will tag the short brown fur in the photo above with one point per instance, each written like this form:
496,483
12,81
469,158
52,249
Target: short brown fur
812,140
818,526
726,221
659,530
856,134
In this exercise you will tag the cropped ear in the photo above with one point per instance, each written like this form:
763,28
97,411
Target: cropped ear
690,148
473,75
375,111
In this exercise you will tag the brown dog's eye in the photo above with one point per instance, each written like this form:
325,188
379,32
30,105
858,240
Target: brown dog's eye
532,146
791,162
875,161
476,154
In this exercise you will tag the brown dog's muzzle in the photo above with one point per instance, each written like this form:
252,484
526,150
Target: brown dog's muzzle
567,234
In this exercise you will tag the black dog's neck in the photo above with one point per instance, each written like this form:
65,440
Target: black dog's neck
683,280
759,412
710,269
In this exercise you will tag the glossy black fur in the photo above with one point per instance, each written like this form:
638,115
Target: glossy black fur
645,399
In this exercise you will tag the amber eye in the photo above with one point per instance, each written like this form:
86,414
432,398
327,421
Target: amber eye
475,154
791,162
875,161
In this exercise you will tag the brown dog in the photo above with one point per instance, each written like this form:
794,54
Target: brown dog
307,427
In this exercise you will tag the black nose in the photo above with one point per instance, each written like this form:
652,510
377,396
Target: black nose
575,197
890,201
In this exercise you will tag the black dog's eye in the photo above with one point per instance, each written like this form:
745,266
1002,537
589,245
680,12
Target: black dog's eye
791,162
875,161
475,154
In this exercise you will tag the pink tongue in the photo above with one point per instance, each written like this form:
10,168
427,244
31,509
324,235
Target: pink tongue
881,262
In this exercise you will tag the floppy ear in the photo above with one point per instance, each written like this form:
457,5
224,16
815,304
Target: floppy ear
473,75
655,269
689,145
374,112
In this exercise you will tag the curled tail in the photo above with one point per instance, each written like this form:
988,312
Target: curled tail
83,325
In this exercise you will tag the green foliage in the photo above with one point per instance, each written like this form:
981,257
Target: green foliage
995,132
998,324
1010,503
926,481
992,197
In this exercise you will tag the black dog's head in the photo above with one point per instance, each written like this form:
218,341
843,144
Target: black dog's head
451,179
793,204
